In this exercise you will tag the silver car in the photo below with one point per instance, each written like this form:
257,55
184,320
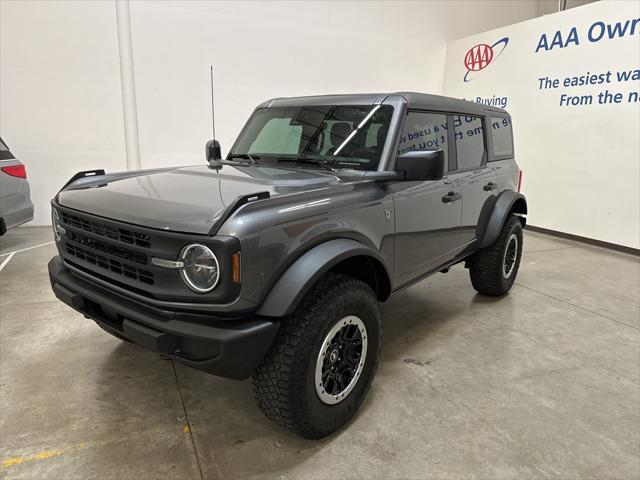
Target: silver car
15,199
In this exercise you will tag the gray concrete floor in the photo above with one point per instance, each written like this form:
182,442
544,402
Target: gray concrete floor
543,383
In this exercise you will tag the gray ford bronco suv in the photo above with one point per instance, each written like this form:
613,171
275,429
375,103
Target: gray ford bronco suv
271,263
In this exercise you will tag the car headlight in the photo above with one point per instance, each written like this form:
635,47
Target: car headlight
200,268
58,231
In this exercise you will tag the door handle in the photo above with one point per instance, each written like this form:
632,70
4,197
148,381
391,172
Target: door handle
451,197
490,186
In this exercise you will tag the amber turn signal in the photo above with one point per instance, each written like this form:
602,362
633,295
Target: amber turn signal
235,267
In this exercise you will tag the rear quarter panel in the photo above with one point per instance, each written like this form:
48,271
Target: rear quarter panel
507,172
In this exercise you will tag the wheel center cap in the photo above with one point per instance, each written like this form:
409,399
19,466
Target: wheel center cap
333,356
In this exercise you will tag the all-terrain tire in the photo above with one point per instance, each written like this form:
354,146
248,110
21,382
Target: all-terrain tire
285,382
493,269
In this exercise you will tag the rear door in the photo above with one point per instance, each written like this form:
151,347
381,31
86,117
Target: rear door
427,213
479,183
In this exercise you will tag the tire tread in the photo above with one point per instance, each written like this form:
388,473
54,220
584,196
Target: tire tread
485,266
278,381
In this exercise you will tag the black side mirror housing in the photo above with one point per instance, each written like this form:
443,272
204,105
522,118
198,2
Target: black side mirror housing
421,165
212,150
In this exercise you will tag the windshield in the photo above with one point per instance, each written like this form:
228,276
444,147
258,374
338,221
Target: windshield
337,136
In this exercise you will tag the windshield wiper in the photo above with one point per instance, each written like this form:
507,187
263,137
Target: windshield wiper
315,161
245,156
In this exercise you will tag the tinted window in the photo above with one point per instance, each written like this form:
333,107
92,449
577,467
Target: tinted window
424,131
5,154
277,136
502,136
469,141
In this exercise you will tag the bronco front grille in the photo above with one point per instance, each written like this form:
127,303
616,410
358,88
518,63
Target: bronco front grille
109,264
105,247
118,254
98,228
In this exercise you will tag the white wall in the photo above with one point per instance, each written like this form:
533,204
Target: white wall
60,92
60,96
581,163
546,7
262,50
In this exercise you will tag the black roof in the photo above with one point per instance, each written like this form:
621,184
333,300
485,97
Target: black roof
414,100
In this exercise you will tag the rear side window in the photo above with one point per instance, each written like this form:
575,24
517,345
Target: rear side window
469,141
502,136
5,154
424,131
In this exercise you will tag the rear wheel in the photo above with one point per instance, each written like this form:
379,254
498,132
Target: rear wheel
323,360
493,269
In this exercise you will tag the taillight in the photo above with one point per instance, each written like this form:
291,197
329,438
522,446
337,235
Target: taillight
15,171
519,181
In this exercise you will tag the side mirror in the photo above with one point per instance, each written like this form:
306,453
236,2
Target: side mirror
421,165
212,150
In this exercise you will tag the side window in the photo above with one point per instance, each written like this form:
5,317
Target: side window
5,154
502,136
469,141
424,131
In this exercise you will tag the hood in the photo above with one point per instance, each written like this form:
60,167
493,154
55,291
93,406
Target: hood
187,199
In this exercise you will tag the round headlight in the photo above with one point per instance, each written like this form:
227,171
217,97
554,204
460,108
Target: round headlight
200,269
55,222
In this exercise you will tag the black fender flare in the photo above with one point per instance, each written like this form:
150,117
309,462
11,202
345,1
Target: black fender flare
298,279
506,202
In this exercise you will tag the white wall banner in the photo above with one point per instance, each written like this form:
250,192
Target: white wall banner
571,81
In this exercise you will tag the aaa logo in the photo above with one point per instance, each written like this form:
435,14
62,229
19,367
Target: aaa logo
480,56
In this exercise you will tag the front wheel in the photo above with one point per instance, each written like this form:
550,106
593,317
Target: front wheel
323,360
493,269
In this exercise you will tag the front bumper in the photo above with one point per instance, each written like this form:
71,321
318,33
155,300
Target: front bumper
228,347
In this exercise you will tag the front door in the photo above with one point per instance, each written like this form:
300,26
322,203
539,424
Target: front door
427,221
427,214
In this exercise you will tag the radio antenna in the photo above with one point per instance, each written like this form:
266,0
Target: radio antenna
213,111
